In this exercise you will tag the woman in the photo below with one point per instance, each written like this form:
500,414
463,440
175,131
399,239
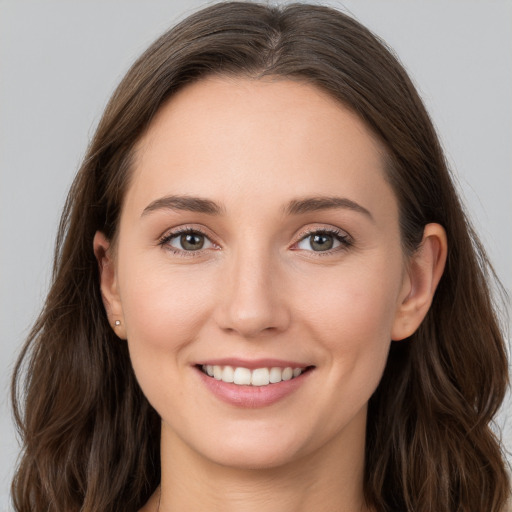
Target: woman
265,291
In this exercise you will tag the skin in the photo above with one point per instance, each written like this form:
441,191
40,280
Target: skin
258,289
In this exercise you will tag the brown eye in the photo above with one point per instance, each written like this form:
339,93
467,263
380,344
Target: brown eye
192,241
188,241
322,241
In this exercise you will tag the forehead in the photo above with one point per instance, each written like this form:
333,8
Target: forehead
237,138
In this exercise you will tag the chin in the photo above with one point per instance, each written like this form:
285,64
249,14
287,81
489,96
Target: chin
258,450
253,458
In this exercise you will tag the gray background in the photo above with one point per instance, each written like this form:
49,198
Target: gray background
60,61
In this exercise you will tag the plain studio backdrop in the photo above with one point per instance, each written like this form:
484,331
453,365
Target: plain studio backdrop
60,61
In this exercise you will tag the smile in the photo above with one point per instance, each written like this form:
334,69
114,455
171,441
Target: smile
256,377
253,383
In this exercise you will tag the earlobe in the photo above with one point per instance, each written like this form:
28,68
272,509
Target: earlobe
108,283
425,269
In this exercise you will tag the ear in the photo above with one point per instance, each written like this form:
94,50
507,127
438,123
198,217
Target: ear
424,272
108,283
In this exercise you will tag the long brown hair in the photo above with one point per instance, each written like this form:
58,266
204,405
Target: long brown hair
91,439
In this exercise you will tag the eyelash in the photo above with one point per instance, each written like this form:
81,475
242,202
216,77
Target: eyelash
341,236
164,241
344,240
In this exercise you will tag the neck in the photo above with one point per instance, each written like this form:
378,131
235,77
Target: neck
329,479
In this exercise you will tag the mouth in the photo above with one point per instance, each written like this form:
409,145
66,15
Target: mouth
241,376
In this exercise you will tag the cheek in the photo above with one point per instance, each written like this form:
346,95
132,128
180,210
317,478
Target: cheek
355,303
352,319
163,308
352,323
164,311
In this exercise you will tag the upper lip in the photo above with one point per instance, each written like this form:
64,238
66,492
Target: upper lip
252,364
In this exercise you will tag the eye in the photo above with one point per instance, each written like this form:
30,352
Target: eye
188,240
323,241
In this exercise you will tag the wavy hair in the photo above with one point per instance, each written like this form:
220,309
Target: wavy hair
90,437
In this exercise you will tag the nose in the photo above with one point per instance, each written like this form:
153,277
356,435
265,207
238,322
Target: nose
252,301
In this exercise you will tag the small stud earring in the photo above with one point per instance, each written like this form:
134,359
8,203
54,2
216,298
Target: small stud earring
117,323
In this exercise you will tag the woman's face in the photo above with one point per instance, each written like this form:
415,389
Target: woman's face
258,233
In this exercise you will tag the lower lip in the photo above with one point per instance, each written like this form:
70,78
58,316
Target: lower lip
251,397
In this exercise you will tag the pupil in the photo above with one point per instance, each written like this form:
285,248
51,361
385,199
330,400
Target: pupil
191,241
322,242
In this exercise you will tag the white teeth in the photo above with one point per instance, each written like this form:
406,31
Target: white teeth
276,375
242,376
287,373
228,374
257,377
260,377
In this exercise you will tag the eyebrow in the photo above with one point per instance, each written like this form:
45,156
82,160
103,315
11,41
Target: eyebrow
186,203
318,203
294,207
